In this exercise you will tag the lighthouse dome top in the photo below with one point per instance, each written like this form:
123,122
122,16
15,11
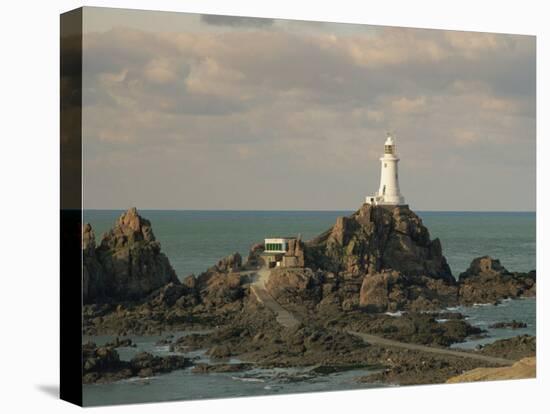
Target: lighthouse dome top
389,140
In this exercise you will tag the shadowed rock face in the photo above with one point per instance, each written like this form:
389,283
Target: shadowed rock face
486,266
376,238
393,291
231,263
93,277
296,286
483,266
128,264
103,364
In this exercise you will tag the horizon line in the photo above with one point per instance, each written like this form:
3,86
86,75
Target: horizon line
300,210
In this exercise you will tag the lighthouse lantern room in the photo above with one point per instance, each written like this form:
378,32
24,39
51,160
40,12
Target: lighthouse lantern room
388,193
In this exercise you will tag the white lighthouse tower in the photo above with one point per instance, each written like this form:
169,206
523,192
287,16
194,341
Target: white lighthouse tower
388,193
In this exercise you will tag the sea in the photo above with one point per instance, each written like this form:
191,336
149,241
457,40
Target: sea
195,240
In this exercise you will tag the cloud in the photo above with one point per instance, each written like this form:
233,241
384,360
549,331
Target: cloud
235,21
465,137
210,78
257,103
161,71
409,105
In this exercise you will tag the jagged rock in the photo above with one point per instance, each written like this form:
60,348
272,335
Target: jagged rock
257,337
103,364
294,257
93,276
231,263
376,238
168,294
487,281
128,260
118,343
145,364
383,291
484,266
190,281
393,291
203,368
88,239
254,256
218,289
510,325
512,348
219,352
294,285
413,327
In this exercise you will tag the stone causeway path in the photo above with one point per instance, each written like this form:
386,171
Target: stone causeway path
288,320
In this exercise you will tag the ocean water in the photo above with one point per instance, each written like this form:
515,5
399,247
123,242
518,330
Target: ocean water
185,385
484,315
195,240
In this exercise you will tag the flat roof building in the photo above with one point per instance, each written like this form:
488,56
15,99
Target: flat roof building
283,252
277,244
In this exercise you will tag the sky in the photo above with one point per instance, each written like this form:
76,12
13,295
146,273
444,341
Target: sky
190,111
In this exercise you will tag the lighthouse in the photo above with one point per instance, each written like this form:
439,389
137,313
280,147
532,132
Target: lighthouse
388,193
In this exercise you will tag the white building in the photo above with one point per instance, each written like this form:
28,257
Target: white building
277,245
283,252
388,193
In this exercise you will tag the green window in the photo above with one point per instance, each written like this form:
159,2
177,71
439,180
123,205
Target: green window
273,247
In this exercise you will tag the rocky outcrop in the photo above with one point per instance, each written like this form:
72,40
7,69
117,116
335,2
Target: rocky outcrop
486,266
407,367
169,294
219,289
121,343
411,327
203,368
93,276
328,292
383,292
508,325
295,255
103,364
254,256
132,259
512,348
231,263
256,337
393,291
376,238
128,264
298,286
487,281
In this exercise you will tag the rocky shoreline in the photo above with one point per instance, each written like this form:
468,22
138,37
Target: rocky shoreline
103,364
378,260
